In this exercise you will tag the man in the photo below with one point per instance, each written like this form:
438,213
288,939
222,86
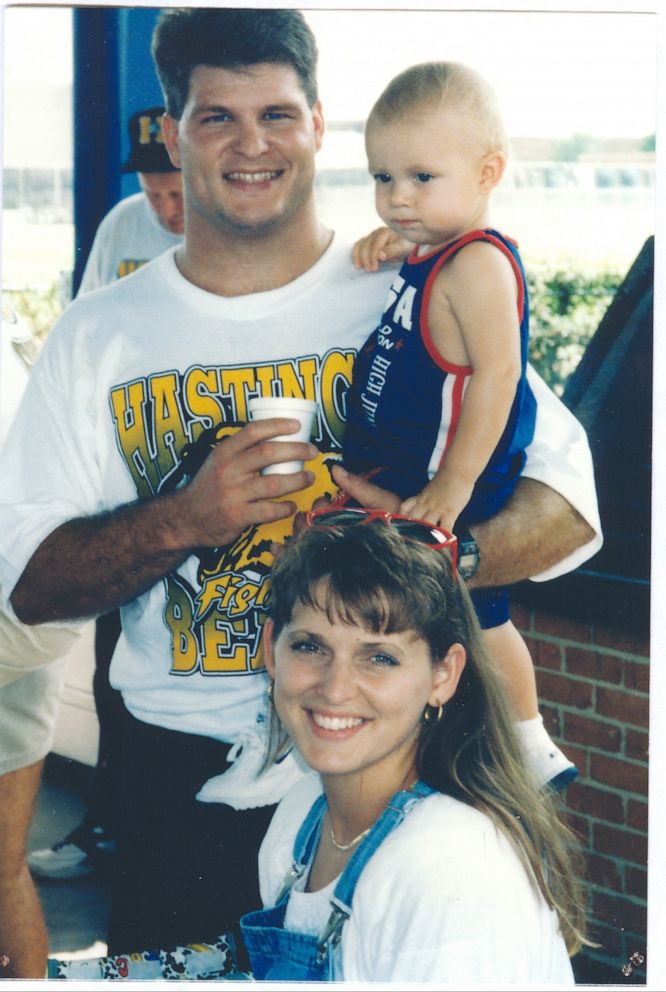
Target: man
145,489
143,225
135,230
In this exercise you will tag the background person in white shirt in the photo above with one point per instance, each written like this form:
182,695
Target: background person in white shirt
147,223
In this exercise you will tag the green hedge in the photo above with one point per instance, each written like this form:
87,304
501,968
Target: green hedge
567,303
38,308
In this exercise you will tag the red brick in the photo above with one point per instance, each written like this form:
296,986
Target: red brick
626,707
555,688
619,774
581,827
521,617
577,755
592,733
619,843
635,882
595,803
622,640
636,744
580,758
594,665
624,913
602,871
637,675
637,815
546,654
564,627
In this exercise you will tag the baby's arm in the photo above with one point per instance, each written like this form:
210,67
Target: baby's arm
381,245
473,321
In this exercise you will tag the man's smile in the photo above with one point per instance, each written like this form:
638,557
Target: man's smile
253,177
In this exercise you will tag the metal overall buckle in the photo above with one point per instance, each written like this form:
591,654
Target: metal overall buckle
291,877
331,934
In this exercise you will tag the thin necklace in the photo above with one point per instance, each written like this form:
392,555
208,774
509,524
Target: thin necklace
348,847
364,833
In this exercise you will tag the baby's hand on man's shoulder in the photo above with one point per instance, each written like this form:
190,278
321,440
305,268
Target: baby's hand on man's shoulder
381,245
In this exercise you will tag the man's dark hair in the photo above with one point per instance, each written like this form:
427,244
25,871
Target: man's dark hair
187,37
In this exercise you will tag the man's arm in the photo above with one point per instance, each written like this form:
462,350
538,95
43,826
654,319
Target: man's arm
535,530
90,565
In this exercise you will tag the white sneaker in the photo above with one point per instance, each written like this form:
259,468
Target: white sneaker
242,786
78,855
550,765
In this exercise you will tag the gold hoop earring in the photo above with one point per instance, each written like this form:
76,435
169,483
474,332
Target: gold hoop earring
429,710
269,692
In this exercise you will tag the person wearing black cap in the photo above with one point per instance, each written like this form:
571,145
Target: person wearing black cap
143,225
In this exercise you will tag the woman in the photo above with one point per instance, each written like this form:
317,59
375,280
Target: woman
419,849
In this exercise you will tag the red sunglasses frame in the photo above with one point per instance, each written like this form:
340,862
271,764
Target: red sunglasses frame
447,542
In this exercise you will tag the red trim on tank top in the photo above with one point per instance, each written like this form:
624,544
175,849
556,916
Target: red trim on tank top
451,249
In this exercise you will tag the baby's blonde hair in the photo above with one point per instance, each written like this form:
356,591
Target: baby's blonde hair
439,83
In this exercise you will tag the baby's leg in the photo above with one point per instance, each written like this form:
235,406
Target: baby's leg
514,666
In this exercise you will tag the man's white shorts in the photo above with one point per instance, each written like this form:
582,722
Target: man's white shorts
32,668
28,712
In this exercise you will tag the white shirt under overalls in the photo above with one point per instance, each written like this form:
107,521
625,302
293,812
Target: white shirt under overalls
444,899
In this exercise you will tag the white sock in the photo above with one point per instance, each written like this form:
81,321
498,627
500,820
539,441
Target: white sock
542,753
531,732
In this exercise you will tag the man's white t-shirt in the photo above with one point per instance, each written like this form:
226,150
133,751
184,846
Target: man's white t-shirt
139,370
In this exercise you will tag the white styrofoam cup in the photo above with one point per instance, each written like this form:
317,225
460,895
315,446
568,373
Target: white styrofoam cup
266,407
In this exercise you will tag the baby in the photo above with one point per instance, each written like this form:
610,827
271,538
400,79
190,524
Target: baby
440,403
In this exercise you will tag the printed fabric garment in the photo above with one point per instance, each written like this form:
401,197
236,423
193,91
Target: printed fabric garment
193,962
406,400
128,236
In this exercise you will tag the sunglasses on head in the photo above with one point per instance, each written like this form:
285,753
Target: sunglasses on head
408,527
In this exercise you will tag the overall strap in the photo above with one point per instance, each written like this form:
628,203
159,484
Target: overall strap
397,809
305,845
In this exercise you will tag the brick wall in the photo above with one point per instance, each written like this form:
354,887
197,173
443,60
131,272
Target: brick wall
593,685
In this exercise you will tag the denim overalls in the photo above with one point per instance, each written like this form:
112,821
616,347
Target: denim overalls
284,955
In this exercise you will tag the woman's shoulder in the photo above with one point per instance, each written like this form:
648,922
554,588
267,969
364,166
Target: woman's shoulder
446,895
445,841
